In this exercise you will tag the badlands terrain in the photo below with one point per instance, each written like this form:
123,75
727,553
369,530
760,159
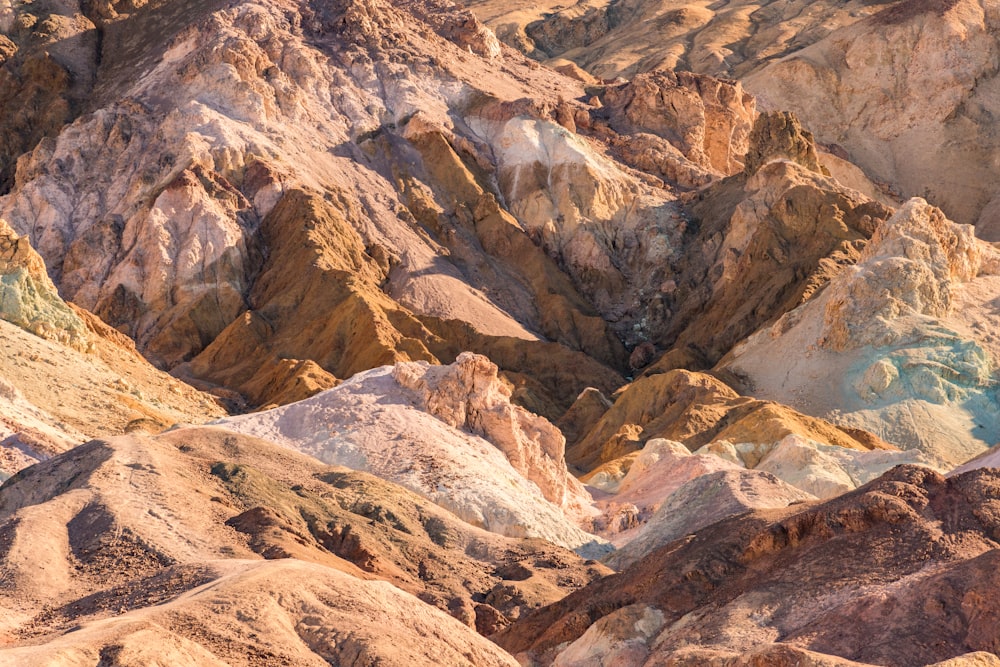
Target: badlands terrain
397,332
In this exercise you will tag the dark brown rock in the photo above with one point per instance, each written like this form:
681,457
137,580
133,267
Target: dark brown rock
894,573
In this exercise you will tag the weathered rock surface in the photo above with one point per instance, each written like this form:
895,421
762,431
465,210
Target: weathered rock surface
28,298
912,106
611,39
813,577
665,485
697,409
583,415
760,243
907,364
448,433
173,216
49,55
142,549
304,614
701,501
780,136
648,503
649,478
706,120
822,470
65,376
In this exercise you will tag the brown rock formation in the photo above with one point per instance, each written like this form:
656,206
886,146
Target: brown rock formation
332,310
166,232
904,117
696,409
583,415
49,57
759,245
707,120
779,135
611,39
792,576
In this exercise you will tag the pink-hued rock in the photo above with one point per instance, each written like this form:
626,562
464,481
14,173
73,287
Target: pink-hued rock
448,433
468,395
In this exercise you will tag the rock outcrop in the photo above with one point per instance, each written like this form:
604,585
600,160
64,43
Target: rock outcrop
791,577
759,244
912,106
685,128
448,433
780,136
645,485
702,501
908,363
824,471
647,493
66,376
697,409
28,298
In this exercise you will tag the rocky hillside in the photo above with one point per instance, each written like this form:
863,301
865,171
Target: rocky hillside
66,376
910,351
350,333
903,88
143,549
774,587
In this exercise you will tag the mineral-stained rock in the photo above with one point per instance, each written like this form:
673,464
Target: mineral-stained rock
824,471
162,213
646,486
849,578
66,376
332,311
618,638
610,231
29,299
469,395
914,262
905,363
760,245
702,501
662,467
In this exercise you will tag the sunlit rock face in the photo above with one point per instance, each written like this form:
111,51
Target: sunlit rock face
895,334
